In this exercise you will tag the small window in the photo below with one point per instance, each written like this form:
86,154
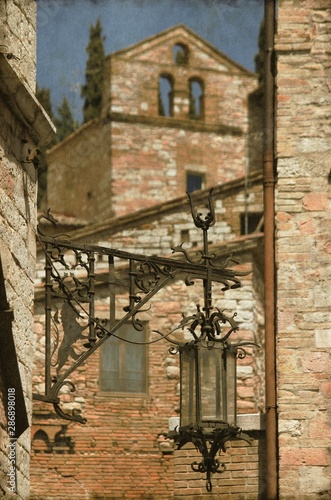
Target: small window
124,365
166,94
180,54
194,182
196,90
251,222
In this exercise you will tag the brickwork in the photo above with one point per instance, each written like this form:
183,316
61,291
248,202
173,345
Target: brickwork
117,454
154,163
82,167
126,434
303,248
244,476
132,158
224,80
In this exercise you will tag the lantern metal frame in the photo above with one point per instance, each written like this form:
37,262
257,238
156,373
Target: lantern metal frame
209,435
71,283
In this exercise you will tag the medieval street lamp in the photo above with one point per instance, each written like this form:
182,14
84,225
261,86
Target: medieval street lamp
208,402
208,393
207,360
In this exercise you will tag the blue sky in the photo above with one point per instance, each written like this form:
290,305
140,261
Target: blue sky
63,32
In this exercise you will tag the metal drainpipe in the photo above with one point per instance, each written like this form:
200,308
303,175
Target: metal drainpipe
269,249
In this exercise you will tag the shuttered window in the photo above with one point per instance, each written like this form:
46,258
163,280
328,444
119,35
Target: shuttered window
124,365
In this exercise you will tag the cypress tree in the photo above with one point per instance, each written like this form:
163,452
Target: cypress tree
44,97
259,57
94,73
65,124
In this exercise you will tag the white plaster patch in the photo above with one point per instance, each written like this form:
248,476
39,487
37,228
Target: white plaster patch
323,338
314,479
292,427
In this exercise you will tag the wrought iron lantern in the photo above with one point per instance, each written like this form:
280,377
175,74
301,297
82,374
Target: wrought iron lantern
208,373
208,383
207,359
208,399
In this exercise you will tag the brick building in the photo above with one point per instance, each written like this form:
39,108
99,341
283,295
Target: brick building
24,126
126,427
174,116
300,468
183,126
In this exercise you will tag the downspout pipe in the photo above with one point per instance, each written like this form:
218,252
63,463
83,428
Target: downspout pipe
269,251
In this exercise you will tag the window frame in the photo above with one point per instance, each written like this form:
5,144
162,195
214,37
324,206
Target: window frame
254,222
196,174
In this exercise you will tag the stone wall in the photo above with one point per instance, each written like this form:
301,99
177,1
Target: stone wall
17,247
79,170
151,162
303,248
18,38
23,127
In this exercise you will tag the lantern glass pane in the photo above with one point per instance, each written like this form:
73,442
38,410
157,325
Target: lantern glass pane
188,387
231,376
212,384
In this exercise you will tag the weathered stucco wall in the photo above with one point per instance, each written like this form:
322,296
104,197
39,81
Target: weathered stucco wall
304,248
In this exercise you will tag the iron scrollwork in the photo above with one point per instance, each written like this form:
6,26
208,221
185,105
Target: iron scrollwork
208,442
73,331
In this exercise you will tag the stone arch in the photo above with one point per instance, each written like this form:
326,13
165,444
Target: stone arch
196,96
166,94
181,54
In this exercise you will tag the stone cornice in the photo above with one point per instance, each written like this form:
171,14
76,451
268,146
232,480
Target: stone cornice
162,121
152,121
24,104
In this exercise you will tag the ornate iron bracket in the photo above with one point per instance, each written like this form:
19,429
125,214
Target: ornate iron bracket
70,280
